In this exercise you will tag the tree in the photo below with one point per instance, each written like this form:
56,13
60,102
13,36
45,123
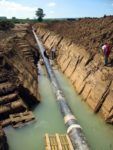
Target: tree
105,16
13,18
40,14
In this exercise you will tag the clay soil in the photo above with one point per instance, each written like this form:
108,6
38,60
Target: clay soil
90,33
80,58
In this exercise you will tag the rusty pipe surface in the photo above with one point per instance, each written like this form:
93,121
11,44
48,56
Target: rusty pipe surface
74,130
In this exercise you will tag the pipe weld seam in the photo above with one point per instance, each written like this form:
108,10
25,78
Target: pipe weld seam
73,126
68,118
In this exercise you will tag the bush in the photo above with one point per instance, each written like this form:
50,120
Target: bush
6,25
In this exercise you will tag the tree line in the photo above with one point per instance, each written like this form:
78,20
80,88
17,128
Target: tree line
7,24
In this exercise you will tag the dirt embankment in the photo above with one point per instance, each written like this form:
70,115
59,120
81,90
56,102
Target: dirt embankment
78,44
18,76
18,73
89,33
3,140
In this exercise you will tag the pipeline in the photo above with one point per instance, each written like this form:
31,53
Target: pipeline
74,130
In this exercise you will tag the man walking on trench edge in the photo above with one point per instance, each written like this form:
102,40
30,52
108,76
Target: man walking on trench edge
106,50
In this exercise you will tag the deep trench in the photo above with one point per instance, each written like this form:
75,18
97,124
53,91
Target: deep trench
93,129
49,119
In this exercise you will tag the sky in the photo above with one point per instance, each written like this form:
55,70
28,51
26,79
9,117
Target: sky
56,8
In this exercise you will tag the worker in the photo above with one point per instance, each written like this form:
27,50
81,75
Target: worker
36,56
46,54
53,53
106,51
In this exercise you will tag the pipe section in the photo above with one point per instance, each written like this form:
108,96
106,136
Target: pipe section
74,130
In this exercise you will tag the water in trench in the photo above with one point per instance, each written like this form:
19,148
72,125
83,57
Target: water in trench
49,120
98,133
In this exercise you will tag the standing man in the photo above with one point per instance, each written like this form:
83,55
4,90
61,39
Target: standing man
46,54
53,53
106,50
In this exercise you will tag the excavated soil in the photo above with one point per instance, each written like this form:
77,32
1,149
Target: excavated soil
79,55
90,33
3,140
18,75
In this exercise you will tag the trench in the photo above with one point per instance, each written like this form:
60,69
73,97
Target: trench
49,120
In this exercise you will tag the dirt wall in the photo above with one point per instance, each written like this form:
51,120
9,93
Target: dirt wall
18,75
3,140
19,54
27,75
91,79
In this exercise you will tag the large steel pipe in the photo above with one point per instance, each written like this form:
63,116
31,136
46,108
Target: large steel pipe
74,130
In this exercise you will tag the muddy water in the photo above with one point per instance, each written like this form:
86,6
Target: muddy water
98,133
49,120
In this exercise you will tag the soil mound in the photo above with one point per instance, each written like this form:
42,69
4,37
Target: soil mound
90,33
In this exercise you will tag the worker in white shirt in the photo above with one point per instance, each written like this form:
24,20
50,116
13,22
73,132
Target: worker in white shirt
53,53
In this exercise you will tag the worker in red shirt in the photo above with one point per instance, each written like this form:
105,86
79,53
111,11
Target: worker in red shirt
106,50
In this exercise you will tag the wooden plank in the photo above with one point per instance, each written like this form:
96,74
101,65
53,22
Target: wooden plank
48,147
21,118
70,144
58,141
